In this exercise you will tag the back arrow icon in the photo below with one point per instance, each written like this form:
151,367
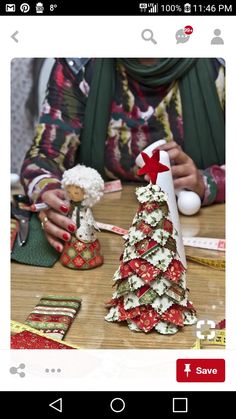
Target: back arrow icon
13,36
57,405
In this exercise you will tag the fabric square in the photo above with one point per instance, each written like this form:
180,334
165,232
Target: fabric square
54,315
144,270
147,320
175,270
29,340
146,246
173,315
144,228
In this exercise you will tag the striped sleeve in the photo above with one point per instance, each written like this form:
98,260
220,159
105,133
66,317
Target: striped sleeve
57,134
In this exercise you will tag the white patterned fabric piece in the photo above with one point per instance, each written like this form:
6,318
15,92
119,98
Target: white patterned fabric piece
190,318
135,235
135,219
115,295
166,328
117,275
153,217
150,193
161,304
161,258
132,326
183,302
129,253
160,285
113,315
160,236
131,301
135,282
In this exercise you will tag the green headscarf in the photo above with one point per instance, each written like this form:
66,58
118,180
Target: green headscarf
203,117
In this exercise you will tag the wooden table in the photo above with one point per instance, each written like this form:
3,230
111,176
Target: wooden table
90,330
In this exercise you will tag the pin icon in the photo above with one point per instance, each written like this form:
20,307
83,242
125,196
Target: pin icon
187,369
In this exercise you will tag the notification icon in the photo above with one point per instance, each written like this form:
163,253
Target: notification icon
188,30
183,35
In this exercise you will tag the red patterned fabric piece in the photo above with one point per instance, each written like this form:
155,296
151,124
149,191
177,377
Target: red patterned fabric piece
112,303
145,245
221,324
174,271
142,290
190,306
144,269
168,226
148,207
147,320
173,315
131,313
49,319
29,340
125,270
80,255
145,228
127,314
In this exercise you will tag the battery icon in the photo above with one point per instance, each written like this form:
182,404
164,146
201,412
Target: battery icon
187,8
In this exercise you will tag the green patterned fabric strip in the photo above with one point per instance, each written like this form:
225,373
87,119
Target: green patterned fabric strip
47,325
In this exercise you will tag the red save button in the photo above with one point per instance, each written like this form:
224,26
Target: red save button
200,370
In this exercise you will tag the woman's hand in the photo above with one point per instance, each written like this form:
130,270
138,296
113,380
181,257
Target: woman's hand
56,224
185,173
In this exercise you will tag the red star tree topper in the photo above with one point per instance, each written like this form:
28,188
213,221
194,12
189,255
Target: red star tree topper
152,166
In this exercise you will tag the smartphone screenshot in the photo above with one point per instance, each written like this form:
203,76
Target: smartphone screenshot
117,170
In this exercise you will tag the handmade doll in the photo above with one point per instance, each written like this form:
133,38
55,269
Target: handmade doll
84,187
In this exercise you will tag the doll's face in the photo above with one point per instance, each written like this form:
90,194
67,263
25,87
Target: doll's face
75,193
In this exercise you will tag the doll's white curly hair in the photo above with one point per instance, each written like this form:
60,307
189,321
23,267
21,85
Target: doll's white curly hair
86,178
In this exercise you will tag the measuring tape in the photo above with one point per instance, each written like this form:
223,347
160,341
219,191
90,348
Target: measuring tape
205,243
212,263
201,242
219,340
112,186
17,327
112,228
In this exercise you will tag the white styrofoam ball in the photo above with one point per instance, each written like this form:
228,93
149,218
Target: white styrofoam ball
189,203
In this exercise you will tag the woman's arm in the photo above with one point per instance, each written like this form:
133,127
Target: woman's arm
58,132
214,179
209,184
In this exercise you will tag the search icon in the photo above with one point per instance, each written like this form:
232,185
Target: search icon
147,35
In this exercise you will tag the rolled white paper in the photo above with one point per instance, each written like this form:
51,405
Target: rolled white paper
165,181
188,202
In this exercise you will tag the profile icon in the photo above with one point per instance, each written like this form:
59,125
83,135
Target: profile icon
217,40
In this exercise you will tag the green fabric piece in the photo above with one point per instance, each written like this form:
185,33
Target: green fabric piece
203,116
36,251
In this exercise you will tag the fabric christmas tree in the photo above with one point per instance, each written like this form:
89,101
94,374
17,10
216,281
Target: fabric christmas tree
150,282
